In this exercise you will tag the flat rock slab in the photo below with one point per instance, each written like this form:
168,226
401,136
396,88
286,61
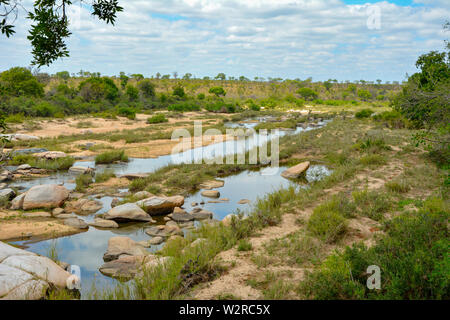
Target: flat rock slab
296,171
202,215
81,170
212,184
105,224
182,217
51,155
37,215
25,275
211,194
123,246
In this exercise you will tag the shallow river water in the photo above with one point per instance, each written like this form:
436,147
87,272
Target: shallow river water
86,249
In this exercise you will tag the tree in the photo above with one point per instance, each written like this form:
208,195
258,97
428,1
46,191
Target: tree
132,93
147,88
218,91
179,91
63,75
221,76
364,94
328,85
137,76
95,89
425,101
20,81
123,79
49,29
187,76
307,93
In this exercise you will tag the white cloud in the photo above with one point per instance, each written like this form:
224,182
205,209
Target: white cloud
286,38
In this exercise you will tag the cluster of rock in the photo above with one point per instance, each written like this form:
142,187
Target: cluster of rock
126,259
27,276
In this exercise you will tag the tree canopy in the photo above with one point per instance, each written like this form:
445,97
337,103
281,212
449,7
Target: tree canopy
50,26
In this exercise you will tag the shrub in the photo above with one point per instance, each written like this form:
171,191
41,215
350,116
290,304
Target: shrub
372,204
184,107
82,182
104,176
412,256
147,88
95,89
19,81
158,118
111,156
126,112
179,92
365,113
327,225
218,91
201,96
132,92
244,245
364,94
398,186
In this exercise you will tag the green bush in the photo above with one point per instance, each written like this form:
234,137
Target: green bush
19,81
365,113
218,91
184,107
412,256
82,182
104,176
308,93
157,118
111,156
126,112
327,225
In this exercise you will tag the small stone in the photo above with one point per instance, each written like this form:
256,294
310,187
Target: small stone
24,167
211,193
102,223
244,201
194,204
76,223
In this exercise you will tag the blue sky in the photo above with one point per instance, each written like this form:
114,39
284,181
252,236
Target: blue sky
337,39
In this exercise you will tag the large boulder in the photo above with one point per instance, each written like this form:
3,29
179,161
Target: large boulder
127,212
123,246
45,196
296,171
26,276
161,205
17,202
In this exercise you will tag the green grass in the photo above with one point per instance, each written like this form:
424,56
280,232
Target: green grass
53,165
327,225
82,182
104,176
400,186
158,118
111,157
244,245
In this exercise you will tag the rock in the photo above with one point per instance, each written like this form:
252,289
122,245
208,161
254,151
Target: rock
3,186
224,200
161,205
171,223
24,167
81,170
57,211
179,210
26,276
127,268
202,215
5,175
123,246
45,196
51,155
114,202
143,195
164,231
194,204
182,217
102,223
64,216
7,194
296,171
37,215
84,206
195,210
156,241
128,212
211,193
19,137
17,202
75,195
212,184
228,219
76,223
244,201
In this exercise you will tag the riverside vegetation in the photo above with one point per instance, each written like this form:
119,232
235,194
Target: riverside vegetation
385,202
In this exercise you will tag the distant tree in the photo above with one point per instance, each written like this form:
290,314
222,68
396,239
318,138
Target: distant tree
137,76
147,88
328,85
158,75
187,76
19,81
221,76
95,89
379,81
175,75
166,76
123,80
218,91
63,75
49,24
242,78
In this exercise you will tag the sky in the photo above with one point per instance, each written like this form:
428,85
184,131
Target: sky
333,39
